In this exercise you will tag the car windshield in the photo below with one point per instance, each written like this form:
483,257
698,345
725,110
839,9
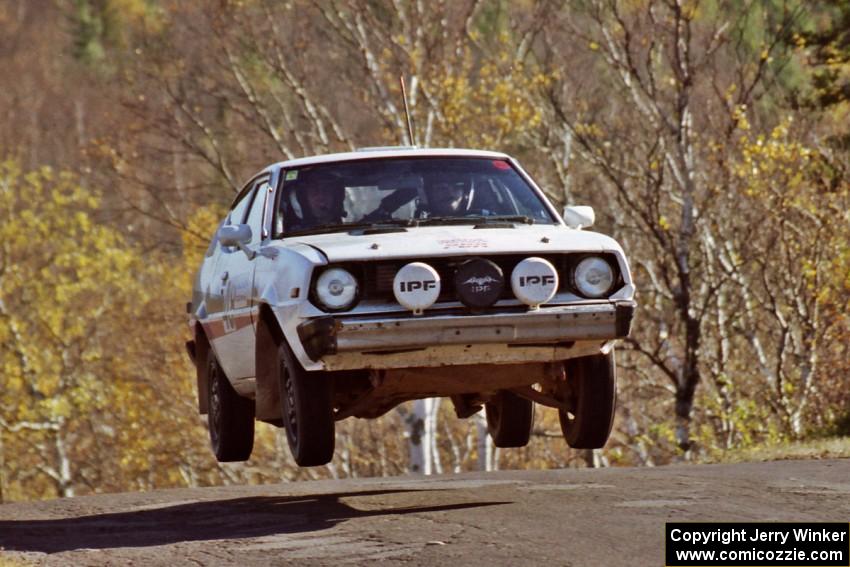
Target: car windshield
406,192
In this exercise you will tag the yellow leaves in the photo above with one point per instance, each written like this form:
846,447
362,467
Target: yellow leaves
691,10
810,269
715,147
770,160
488,104
739,116
83,221
590,130
142,13
593,46
794,193
83,318
663,223
201,222
540,79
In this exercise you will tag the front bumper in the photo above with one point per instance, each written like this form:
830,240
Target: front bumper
545,326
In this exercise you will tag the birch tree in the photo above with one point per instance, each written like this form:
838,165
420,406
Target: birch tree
661,92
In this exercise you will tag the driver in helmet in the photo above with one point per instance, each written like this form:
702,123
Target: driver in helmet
447,198
319,201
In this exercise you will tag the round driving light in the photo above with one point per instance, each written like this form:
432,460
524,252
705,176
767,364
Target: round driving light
534,281
479,282
416,286
336,289
594,277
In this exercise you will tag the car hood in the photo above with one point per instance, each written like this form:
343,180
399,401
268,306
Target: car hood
436,241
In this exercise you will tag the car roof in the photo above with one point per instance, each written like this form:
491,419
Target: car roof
387,152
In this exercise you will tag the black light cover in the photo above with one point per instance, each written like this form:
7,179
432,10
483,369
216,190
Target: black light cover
479,282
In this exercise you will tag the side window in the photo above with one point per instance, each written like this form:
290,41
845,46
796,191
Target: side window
256,215
238,210
237,213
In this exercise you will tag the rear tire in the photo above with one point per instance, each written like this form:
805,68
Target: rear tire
509,419
591,391
230,416
307,405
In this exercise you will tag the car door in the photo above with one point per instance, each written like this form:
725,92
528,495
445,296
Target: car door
234,339
245,293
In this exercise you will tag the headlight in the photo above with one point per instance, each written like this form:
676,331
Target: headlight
336,289
593,277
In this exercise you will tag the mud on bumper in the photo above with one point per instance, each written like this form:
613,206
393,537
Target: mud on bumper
549,325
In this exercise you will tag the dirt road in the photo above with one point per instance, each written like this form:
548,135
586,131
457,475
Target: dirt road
568,517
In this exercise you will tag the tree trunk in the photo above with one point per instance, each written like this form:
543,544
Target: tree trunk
687,385
486,452
418,447
64,480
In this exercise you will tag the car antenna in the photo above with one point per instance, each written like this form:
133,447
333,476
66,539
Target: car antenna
406,111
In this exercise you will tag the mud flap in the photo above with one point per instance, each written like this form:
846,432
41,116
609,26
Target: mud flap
267,400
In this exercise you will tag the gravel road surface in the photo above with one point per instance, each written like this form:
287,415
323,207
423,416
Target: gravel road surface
565,517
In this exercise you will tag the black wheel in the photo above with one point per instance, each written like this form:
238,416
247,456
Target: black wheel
509,419
230,417
590,392
307,400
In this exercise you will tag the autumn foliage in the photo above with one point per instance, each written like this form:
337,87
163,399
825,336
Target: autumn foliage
710,136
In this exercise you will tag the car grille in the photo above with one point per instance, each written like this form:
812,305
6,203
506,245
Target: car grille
377,277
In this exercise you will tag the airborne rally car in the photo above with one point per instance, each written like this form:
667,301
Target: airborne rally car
343,285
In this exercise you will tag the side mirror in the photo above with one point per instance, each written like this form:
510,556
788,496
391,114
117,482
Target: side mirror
234,235
237,235
579,217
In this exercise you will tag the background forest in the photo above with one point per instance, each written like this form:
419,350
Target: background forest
712,137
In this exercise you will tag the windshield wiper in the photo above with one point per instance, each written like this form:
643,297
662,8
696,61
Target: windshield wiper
508,218
450,220
392,223
477,219
345,227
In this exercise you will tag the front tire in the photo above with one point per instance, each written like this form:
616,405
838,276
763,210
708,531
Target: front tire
307,404
509,419
591,392
230,416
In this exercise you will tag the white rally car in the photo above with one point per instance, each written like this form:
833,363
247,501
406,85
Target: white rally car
343,285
